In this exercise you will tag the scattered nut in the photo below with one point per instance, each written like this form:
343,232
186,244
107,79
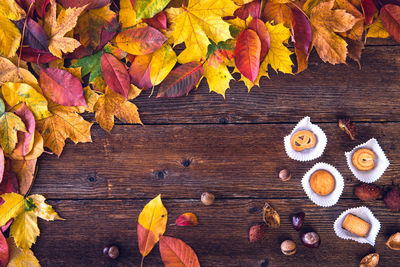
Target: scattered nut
111,252
348,127
394,241
288,247
392,199
310,239
257,232
371,260
367,192
207,198
297,220
285,175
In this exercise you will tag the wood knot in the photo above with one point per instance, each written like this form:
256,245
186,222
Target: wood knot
186,162
223,121
264,263
161,174
92,179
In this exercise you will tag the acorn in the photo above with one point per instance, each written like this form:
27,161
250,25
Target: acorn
288,247
207,198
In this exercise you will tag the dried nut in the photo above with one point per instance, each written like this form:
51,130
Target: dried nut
394,241
207,198
257,232
367,192
285,175
297,220
288,247
310,239
371,260
111,252
392,199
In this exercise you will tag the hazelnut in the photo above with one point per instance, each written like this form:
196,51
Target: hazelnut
371,260
285,175
310,239
297,220
207,198
288,247
111,252
394,241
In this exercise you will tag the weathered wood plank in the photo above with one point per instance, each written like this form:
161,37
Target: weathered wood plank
221,239
229,160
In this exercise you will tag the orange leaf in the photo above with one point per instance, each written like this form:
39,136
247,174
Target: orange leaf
187,219
247,54
390,17
140,72
259,27
176,253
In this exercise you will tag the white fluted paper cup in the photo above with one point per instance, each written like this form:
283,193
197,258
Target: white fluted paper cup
365,214
332,198
308,154
381,162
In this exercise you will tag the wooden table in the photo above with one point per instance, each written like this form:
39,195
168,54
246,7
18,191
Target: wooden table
232,148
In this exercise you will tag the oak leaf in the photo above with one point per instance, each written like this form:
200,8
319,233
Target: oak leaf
20,257
149,8
330,46
175,252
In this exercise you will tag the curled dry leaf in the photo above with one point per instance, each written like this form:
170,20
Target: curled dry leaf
187,219
348,127
271,216
394,241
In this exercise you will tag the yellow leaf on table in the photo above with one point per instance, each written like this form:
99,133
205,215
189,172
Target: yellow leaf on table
24,229
151,225
127,14
59,27
10,37
18,93
10,9
64,123
376,30
19,257
218,78
162,62
196,23
330,46
14,204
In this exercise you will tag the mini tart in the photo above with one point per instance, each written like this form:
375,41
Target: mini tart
322,182
302,140
363,159
356,225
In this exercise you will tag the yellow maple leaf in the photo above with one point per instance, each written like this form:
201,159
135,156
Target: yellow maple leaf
18,93
376,30
19,257
127,14
162,62
330,46
58,27
218,77
10,37
64,123
196,23
113,104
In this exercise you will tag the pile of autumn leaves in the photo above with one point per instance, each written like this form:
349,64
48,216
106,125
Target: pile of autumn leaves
59,59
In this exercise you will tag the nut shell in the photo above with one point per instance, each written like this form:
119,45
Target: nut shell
371,260
297,220
288,247
285,175
207,198
394,241
311,239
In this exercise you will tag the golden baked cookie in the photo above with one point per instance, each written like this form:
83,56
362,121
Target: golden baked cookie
356,225
322,182
302,140
363,159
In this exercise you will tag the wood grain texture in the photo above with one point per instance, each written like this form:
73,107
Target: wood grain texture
228,160
220,239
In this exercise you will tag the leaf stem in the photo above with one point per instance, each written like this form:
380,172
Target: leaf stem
141,263
23,34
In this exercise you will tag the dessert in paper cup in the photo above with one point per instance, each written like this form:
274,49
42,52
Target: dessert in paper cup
306,141
367,161
358,224
323,184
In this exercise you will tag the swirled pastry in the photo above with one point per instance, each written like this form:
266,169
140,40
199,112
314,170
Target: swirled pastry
363,159
302,140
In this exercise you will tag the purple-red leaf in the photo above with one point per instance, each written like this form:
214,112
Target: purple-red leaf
302,36
174,252
390,17
41,7
3,251
140,72
92,4
181,80
259,27
187,219
62,87
369,10
159,21
247,54
34,36
251,9
36,56
25,139
115,74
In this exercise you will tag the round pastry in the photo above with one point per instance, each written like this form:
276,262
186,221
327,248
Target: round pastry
322,182
363,159
302,140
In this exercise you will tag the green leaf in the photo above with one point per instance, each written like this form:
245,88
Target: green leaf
148,8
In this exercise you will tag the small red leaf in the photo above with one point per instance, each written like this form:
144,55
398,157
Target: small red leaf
36,56
259,27
187,219
140,72
174,252
251,9
23,146
62,87
369,10
115,74
247,54
390,17
159,21
34,35
3,251
181,80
